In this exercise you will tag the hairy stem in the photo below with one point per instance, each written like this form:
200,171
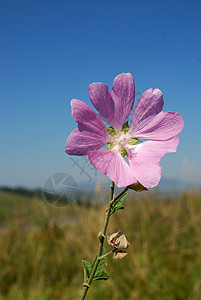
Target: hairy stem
101,243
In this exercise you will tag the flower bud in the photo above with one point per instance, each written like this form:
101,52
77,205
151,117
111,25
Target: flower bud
118,240
138,187
119,254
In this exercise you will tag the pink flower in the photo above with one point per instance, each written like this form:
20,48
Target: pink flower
127,159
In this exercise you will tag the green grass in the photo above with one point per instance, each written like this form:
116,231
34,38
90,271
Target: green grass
41,249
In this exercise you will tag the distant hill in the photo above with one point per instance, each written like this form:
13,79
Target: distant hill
22,191
166,187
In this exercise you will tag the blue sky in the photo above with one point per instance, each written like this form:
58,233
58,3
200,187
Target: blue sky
52,50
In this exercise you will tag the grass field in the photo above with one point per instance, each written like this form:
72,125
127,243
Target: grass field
41,248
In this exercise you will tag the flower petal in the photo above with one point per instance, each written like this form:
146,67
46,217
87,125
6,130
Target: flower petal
111,163
150,103
123,94
100,97
91,133
81,142
87,118
144,160
150,122
162,126
81,112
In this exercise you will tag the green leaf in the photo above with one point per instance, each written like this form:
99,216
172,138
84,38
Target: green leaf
87,267
118,204
99,274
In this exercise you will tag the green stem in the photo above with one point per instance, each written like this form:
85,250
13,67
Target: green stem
101,243
106,254
117,198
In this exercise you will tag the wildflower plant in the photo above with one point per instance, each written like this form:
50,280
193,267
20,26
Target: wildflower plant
133,151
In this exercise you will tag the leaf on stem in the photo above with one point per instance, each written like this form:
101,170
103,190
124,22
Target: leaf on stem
87,267
99,274
118,204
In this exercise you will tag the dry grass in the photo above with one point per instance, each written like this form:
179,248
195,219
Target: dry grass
41,249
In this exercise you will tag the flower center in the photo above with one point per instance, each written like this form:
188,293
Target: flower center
121,139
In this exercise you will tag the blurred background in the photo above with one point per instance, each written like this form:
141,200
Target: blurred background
50,52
